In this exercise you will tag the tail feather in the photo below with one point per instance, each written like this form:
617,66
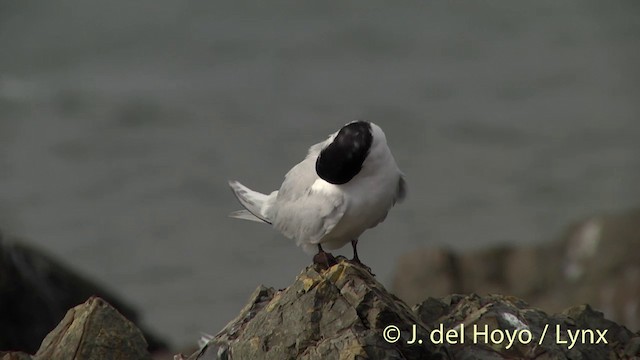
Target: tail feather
252,201
245,215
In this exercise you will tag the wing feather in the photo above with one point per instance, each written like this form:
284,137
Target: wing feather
303,214
401,192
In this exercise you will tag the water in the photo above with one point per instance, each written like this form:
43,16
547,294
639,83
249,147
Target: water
120,123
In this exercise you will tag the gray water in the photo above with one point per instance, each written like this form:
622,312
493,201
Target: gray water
120,123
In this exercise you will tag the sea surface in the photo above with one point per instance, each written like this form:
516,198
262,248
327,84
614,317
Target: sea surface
120,123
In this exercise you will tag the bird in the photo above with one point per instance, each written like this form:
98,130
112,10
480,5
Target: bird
344,186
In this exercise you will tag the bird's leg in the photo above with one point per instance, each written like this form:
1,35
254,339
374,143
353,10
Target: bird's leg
356,259
354,245
324,259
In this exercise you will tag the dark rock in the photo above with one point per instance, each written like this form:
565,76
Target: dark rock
591,263
514,316
341,313
35,293
337,313
90,331
14,355
418,268
435,272
94,330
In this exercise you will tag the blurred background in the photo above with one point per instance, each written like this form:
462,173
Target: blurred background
120,123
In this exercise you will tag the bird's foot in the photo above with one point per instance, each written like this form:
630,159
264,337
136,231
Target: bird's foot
324,259
357,262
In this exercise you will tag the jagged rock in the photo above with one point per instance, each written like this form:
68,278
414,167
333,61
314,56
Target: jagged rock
35,293
590,263
524,272
339,313
90,331
598,338
94,330
14,355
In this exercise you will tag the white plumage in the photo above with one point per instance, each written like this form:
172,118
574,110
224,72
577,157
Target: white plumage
331,212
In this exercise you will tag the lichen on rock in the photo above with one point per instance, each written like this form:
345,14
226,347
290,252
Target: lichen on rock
342,313
510,316
339,313
93,330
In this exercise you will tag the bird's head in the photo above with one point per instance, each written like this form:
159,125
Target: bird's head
344,156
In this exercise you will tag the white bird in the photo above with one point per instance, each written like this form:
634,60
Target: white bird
345,185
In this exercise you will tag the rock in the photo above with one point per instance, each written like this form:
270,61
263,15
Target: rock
90,331
600,267
94,330
504,315
339,313
437,268
14,355
342,313
591,263
435,272
35,293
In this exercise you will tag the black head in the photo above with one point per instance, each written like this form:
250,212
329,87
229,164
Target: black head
342,159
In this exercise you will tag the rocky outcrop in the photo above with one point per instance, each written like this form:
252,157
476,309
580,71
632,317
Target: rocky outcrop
503,327
35,293
593,262
90,331
339,313
344,313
